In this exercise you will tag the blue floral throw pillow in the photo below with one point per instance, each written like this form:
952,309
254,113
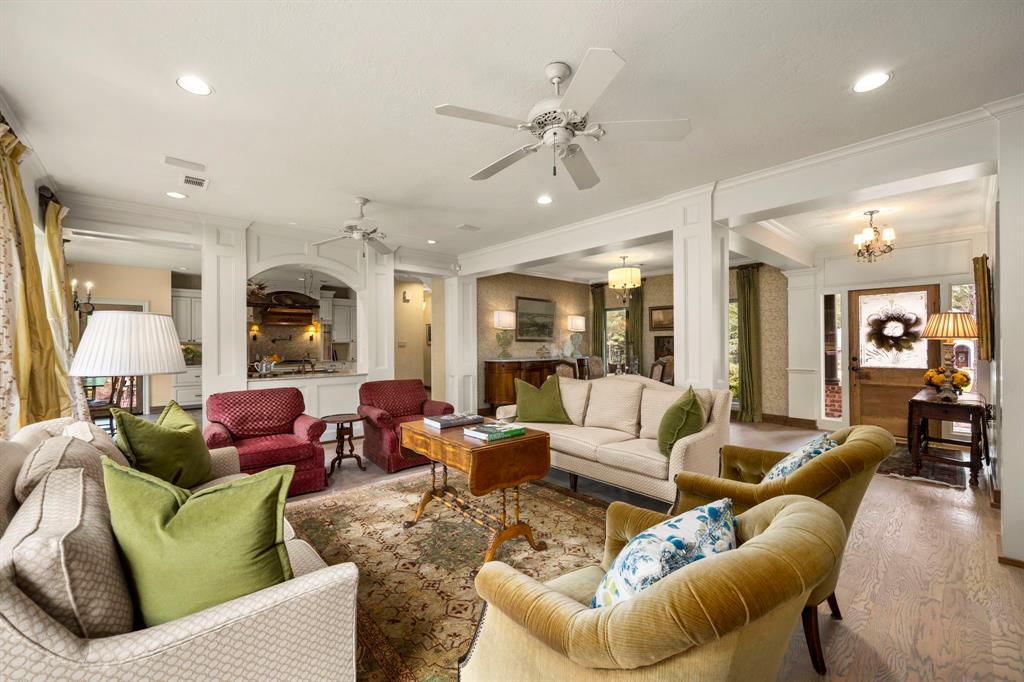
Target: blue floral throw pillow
660,550
796,459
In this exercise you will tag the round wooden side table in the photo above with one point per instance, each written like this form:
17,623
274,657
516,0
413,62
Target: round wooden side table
346,430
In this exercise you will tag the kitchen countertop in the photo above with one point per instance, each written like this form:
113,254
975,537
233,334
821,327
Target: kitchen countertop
297,376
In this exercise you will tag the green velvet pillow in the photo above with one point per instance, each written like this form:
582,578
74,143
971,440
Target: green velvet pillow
187,552
540,405
172,448
682,418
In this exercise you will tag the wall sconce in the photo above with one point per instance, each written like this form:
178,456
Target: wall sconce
505,322
254,330
577,324
312,330
85,306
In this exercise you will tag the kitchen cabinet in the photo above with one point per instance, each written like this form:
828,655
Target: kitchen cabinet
326,310
187,313
187,387
343,329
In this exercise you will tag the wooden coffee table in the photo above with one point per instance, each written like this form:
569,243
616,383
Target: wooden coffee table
499,465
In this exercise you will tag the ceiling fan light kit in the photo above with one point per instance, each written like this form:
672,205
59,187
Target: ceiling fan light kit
361,230
557,122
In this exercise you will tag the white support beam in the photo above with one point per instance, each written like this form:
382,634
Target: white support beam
805,360
375,338
772,243
460,343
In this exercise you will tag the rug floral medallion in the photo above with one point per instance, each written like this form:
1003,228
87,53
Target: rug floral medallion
417,605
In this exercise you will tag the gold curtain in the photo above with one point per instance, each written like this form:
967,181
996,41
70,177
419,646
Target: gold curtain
983,312
34,357
60,308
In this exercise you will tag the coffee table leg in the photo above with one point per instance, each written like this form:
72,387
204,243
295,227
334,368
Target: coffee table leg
426,498
509,532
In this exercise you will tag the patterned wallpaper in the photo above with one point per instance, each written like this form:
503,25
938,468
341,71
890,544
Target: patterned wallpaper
774,289
499,293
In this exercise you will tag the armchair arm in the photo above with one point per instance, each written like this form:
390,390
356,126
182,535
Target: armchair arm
309,428
695,489
622,523
505,412
217,435
433,408
748,464
376,416
242,636
224,462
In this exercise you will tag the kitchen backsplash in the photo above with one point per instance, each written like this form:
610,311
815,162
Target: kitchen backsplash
290,342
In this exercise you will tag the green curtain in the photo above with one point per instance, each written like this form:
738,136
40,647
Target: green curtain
749,316
597,330
635,327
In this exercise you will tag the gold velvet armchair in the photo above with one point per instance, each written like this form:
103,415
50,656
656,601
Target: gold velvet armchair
726,617
838,478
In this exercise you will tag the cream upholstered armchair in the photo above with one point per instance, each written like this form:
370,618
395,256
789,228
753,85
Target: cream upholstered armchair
838,478
726,617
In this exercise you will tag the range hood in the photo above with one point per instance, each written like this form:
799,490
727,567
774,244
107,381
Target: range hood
285,308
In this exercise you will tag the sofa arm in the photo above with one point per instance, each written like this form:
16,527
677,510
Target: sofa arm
376,416
433,408
217,435
224,462
698,452
505,412
622,523
748,464
241,638
693,490
309,428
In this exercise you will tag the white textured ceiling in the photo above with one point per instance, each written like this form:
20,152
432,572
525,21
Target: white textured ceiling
315,103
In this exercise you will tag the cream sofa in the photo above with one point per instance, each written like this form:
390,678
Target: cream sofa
303,628
613,437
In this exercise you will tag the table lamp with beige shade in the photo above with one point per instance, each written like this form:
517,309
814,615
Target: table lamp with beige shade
577,324
947,327
504,322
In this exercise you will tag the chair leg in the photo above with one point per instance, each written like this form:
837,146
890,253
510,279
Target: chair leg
810,618
833,604
573,481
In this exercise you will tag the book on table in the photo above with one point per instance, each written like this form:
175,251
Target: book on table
493,432
444,421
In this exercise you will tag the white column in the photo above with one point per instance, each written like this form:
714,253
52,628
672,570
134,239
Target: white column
805,344
1009,314
224,330
376,319
700,290
460,343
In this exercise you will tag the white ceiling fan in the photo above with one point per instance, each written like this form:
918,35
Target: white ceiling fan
558,121
363,230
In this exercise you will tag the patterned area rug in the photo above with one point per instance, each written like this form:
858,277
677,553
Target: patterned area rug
898,465
417,605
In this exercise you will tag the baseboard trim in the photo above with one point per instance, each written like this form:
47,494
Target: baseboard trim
994,496
789,421
1005,560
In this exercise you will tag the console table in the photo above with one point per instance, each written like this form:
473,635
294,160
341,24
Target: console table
970,408
500,376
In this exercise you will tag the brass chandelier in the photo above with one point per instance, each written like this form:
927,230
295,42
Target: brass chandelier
872,244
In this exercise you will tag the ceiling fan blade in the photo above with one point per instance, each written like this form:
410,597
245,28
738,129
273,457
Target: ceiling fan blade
637,131
505,161
480,116
328,241
379,246
599,68
579,167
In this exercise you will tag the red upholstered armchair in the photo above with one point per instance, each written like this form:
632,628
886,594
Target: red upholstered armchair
385,405
268,428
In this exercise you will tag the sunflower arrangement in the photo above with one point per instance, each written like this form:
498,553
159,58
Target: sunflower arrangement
961,381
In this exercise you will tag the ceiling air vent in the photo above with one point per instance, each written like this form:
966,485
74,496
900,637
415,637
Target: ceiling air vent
195,182
466,227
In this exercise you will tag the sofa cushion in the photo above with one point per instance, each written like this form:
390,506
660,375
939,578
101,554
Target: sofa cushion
264,451
12,456
59,452
672,544
542,405
96,437
614,404
639,455
172,448
187,552
583,441
60,551
683,418
575,394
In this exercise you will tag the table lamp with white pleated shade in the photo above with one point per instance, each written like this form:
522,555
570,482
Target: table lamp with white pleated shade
122,343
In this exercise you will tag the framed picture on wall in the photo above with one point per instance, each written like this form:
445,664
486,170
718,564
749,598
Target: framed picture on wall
535,319
661,318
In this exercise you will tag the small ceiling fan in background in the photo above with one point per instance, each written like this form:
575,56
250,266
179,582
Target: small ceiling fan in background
558,121
361,229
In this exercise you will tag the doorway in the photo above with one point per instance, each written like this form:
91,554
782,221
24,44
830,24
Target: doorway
888,357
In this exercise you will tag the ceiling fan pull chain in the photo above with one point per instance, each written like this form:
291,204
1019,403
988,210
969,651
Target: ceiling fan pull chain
554,161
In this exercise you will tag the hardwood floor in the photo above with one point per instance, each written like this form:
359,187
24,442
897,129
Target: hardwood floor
921,592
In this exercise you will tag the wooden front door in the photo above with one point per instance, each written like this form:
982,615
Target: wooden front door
888,357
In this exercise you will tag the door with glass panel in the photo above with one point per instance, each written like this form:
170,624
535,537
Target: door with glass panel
888,357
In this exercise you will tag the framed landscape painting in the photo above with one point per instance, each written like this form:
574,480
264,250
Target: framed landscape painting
661,318
535,319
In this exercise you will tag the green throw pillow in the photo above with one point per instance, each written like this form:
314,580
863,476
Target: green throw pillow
540,405
682,418
187,552
172,448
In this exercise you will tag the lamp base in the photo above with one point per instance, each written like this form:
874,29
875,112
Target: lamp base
947,394
504,339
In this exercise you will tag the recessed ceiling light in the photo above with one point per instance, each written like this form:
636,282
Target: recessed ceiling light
870,81
544,199
302,279
177,195
195,85
293,223
431,241
183,269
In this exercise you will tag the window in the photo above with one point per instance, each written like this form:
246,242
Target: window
734,350
615,338
965,351
833,347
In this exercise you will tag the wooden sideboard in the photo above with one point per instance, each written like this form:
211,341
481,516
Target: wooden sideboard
500,375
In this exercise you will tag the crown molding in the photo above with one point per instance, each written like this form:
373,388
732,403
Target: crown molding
781,230
76,201
1005,107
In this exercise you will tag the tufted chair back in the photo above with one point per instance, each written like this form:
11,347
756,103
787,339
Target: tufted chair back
398,397
264,412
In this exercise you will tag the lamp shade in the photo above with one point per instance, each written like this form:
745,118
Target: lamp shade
121,343
624,278
577,323
504,319
950,325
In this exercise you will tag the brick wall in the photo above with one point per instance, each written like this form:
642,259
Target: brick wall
833,400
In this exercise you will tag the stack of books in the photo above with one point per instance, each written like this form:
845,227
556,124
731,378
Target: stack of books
444,421
496,431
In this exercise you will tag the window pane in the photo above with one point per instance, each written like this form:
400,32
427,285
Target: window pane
734,349
833,345
890,330
615,337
